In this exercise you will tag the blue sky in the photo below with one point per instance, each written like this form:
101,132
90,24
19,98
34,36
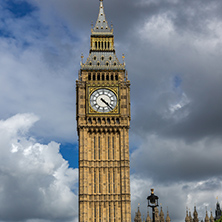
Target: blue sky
173,53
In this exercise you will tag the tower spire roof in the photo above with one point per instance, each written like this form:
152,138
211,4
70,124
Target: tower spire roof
101,25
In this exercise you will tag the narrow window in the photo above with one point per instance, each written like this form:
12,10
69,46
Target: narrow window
100,213
107,77
89,76
103,78
116,77
112,77
94,181
99,147
108,148
94,147
99,45
95,212
94,77
109,181
96,45
102,45
109,213
108,45
114,212
114,181
100,181
113,148
98,76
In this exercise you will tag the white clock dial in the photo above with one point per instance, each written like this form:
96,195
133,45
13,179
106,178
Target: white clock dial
103,100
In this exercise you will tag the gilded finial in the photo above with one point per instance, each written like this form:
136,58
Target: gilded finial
152,191
82,57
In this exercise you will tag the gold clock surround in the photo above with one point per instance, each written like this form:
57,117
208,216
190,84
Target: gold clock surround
92,89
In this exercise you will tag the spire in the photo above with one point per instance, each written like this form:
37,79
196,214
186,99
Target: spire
206,217
187,219
195,215
168,217
191,219
101,23
148,219
161,215
211,217
102,54
138,216
157,218
218,212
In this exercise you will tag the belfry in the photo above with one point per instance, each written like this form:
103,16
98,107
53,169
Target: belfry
103,121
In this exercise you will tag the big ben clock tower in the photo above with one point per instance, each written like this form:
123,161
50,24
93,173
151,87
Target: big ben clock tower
103,121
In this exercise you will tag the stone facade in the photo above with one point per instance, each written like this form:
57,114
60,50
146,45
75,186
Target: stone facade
103,130
159,217
195,218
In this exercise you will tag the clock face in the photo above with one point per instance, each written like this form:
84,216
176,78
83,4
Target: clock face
103,100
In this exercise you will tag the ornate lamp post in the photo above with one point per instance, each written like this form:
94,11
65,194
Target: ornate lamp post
153,202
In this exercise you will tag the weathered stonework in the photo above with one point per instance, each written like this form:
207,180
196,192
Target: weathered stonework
104,167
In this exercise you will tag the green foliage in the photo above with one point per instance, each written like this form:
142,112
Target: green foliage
219,220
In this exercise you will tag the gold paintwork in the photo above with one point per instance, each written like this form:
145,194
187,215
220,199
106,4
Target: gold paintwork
92,89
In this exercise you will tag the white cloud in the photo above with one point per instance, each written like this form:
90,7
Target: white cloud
36,183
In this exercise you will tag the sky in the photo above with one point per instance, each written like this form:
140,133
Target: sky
173,51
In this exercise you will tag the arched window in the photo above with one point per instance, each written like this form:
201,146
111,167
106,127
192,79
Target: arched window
116,77
112,77
103,77
94,77
89,76
107,77
98,76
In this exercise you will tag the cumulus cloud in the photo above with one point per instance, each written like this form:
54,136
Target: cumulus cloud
36,182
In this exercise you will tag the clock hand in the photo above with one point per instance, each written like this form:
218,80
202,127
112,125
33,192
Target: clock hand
106,103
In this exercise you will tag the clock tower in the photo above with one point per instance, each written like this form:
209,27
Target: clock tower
103,121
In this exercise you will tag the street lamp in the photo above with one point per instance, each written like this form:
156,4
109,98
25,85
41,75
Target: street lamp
153,202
